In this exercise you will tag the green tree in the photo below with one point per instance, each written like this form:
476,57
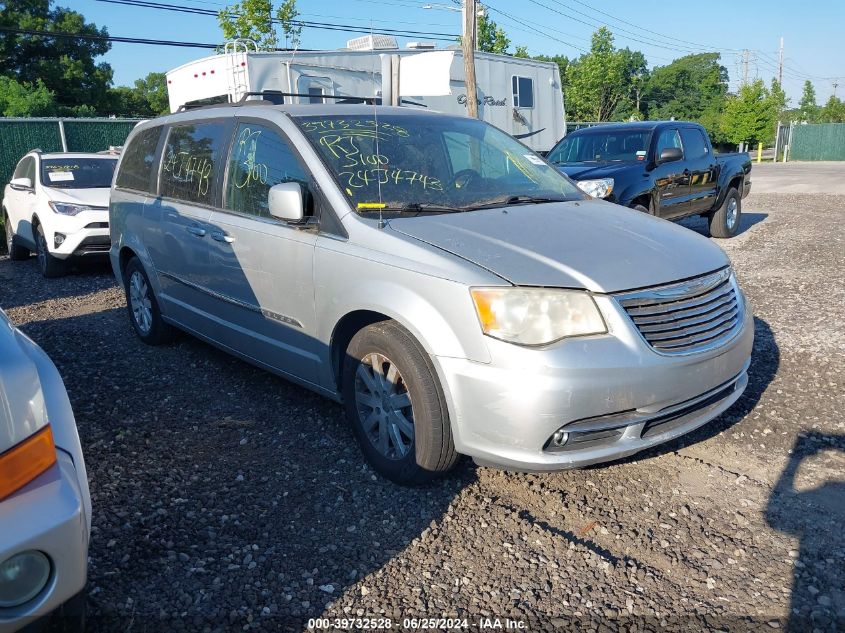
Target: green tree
249,19
522,52
562,64
597,82
748,117
690,88
153,90
807,109
17,99
777,101
833,111
491,38
66,66
292,29
635,74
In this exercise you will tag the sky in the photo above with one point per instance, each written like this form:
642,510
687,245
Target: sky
813,46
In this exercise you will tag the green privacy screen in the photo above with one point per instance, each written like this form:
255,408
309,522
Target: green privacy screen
822,141
18,136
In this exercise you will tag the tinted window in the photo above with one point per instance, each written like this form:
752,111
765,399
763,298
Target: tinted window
694,144
668,138
188,170
260,158
523,92
77,173
137,164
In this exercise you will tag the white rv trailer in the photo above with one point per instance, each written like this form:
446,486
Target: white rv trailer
520,96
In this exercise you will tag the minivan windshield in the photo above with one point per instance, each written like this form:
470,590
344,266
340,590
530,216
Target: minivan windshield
77,173
424,163
602,146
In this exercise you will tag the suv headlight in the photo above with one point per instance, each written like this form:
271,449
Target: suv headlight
600,188
66,208
536,316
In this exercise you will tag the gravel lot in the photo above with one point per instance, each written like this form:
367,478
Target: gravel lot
227,499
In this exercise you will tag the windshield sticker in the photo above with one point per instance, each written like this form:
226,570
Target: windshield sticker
534,159
50,167
520,166
641,154
371,205
60,176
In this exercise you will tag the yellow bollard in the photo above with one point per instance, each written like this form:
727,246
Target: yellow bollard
759,152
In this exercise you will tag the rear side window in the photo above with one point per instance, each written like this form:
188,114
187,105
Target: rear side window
260,159
191,154
136,168
694,144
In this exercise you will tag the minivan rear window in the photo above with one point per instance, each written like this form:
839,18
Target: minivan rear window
137,164
191,154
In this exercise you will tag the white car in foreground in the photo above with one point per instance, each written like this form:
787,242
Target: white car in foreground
45,507
57,205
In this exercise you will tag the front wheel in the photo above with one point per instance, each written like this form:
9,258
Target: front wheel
144,313
49,266
16,252
395,405
724,222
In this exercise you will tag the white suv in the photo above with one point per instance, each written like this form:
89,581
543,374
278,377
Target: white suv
57,205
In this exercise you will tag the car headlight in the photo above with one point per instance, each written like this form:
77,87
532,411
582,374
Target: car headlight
536,316
66,208
600,188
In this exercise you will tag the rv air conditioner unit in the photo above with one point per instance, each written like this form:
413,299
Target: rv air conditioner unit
421,46
372,43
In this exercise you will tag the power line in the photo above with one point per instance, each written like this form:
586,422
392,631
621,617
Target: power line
328,26
106,38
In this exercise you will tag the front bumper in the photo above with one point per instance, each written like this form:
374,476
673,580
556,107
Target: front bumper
47,515
616,392
84,235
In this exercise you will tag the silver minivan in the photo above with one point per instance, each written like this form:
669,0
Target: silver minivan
452,289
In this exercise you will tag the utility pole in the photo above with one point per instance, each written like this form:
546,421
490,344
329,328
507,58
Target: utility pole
468,45
745,56
835,86
780,63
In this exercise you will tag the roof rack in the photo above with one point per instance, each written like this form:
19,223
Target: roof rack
276,97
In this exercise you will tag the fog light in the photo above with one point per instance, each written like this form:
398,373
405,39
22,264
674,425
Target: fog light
22,577
560,438
59,239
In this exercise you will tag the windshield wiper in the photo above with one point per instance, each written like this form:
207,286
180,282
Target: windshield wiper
516,200
412,207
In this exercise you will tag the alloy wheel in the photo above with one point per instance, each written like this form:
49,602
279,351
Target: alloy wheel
384,406
140,303
733,212
41,250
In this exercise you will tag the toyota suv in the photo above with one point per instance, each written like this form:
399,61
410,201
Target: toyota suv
56,205
456,292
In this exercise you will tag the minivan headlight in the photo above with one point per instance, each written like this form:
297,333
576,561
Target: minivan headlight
536,316
66,208
600,188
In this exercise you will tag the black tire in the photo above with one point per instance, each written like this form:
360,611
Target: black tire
51,267
641,208
17,253
144,313
431,451
721,225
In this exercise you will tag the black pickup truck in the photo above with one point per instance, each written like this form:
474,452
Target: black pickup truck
666,168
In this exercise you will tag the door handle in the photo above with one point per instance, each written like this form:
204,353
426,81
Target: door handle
195,230
220,236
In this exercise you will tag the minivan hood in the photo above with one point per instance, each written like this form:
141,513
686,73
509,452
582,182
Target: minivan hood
98,197
590,244
589,171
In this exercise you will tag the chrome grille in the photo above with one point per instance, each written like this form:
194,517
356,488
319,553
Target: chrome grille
688,316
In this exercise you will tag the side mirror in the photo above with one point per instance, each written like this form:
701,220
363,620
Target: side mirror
670,154
21,183
286,202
